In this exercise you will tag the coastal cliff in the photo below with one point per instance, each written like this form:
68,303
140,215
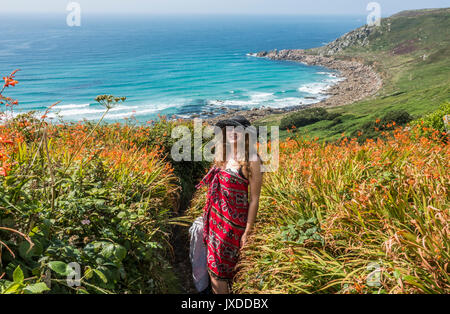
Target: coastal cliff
399,65
360,80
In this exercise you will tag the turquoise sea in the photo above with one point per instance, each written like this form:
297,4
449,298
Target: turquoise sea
173,65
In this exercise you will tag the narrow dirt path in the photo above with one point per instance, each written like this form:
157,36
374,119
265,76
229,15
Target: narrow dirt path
182,264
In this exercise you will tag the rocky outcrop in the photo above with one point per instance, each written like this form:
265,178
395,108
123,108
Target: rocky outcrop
359,81
358,37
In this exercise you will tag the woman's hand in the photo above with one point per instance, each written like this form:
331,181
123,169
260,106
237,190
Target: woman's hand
244,238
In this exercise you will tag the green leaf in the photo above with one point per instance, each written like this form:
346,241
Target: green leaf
108,250
101,275
18,275
36,288
14,288
60,268
25,251
88,273
120,252
82,291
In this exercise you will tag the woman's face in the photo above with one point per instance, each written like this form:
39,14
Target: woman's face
233,135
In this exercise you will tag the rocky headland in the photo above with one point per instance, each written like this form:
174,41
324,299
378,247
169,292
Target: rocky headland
359,80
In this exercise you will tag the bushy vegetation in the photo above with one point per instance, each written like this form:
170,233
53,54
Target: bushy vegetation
105,205
306,117
103,196
352,218
438,120
388,122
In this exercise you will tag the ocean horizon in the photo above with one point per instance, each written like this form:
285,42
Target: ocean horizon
168,65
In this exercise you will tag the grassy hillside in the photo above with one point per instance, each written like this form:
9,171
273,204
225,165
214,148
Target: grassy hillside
411,50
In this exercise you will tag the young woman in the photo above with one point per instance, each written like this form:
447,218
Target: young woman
228,214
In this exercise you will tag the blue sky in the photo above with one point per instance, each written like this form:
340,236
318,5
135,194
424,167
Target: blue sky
350,7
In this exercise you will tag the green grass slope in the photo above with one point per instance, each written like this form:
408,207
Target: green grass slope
412,53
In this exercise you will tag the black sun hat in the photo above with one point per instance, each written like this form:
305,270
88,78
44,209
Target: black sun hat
238,121
234,121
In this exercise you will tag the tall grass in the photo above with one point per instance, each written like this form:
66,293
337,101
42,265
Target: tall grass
351,218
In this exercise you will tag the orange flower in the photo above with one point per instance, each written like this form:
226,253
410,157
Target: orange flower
9,81
5,141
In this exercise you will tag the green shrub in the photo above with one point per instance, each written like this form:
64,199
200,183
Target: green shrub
113,223
106,205
306,117
388,122
435,120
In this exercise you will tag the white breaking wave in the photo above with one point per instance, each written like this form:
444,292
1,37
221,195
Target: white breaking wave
318,88
314,88
141,110
91,113
231,103
258,97
255,98
86,112
294,101
272,103
288,102
70,106
183,116
332,76
132,113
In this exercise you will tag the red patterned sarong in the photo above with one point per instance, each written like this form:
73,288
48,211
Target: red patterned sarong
224,218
